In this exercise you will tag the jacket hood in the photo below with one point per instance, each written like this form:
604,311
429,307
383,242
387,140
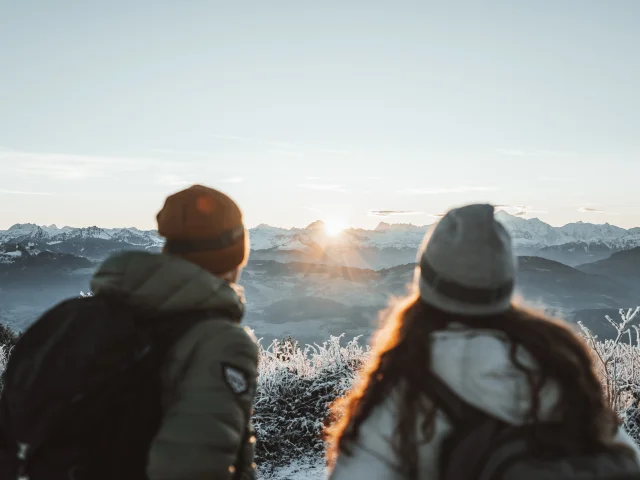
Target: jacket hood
166,284
477,366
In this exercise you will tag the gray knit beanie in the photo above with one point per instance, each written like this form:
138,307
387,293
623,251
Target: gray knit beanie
466,264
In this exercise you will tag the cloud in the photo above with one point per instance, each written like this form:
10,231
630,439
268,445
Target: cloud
72,166
533,153
335,152
546,178
171,180
175,180
289,153
180,152
392,213
280,147
222,136
440,191
590,210
276,144
518,210
323,187
257,141
22,192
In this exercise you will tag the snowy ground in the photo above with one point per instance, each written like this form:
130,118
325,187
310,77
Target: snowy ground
298,471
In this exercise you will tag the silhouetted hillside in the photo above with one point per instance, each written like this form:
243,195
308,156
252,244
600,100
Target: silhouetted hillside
622,267
34,268
559,286
576,253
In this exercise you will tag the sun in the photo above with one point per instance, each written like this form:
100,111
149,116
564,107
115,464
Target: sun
334,226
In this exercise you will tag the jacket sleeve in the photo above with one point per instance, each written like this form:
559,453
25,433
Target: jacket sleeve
372,456
364,464
625,439
204,428
246,466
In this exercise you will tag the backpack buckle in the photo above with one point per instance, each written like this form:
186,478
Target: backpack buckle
23,453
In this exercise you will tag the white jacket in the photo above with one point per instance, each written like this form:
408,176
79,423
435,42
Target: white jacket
476,365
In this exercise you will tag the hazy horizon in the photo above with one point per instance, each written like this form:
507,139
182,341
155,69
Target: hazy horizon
312,111
377,221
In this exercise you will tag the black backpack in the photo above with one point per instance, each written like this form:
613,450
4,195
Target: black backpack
481,447
82,394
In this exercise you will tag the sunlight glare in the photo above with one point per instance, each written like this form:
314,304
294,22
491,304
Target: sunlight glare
334,226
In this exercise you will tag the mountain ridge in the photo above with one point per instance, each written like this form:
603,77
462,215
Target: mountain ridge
385,246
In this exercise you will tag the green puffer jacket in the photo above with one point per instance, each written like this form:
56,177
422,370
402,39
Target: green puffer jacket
210,375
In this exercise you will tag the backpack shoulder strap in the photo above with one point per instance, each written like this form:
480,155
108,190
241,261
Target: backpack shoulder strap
168,328
475,437
455,408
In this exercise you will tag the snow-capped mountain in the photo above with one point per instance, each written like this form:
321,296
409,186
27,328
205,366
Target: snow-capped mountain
265,237
531,233
537,234
588,232
385,246
93,242
388,245
399,227
29,231
35,233
526,233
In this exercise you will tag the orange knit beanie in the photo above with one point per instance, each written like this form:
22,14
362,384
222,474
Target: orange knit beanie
205,227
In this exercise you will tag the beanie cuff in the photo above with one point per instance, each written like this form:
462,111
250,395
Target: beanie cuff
463,293
220,261
435,297
224,240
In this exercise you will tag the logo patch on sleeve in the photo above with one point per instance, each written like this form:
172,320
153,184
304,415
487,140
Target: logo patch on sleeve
236,379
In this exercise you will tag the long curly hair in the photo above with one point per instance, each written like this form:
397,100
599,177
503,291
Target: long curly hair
401,352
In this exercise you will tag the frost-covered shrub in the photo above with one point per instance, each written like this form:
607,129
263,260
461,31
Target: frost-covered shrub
617,363
8,339
4,358
295,388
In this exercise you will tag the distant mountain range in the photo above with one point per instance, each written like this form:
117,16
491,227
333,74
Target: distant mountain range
384,247
310,284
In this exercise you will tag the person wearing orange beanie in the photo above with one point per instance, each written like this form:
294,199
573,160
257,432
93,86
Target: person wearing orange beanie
210,376
205,227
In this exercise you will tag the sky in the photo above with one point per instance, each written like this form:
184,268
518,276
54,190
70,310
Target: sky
363,111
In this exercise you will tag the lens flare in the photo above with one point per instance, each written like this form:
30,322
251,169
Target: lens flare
334,226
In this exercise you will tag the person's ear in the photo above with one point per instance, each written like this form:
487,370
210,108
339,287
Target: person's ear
232,276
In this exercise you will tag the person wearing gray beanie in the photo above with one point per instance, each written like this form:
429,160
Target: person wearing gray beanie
466,264
458,368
